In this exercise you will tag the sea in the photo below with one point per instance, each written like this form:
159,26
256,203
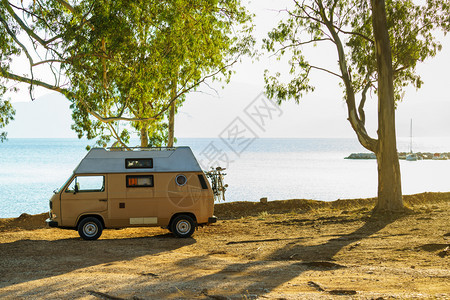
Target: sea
279,169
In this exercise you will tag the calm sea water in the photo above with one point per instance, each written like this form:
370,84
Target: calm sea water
30,169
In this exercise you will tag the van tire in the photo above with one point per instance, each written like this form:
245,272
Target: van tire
90,228
182,226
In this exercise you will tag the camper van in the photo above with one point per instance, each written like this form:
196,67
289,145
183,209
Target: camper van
117,188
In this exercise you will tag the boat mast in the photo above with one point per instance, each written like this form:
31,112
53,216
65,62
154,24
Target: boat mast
410,137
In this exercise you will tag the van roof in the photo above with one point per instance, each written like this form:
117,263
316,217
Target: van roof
101,160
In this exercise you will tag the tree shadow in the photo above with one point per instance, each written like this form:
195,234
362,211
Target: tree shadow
326,251
43,259
247,277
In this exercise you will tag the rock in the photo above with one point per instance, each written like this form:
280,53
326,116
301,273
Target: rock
445,252
322,265
218,297
149,274
263,200
354,245
315,286
342,292
361,156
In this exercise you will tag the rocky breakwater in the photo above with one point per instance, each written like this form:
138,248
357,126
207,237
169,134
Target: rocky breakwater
402,155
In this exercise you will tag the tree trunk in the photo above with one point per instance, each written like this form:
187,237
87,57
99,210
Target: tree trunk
171,137
389,180
144,136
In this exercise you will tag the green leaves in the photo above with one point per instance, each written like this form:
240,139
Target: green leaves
6,113
116,60
412,29
348,26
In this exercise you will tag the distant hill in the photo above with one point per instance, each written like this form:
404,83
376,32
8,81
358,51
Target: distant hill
48,116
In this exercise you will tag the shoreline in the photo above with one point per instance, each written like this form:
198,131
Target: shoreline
239,209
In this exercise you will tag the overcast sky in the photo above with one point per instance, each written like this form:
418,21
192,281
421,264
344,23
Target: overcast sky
320,114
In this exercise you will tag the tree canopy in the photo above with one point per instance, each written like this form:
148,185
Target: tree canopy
122,62
6,115
348,26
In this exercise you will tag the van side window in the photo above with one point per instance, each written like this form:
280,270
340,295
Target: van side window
139,180
139,163
202,182
82,184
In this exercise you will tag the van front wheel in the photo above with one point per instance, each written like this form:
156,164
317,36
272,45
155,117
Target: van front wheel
90,228
182,226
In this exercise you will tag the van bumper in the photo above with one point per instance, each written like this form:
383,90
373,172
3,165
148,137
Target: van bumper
212,219
51,223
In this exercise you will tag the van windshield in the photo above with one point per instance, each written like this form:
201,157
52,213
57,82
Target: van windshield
57,191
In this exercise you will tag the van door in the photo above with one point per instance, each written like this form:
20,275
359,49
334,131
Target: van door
132,200
85,194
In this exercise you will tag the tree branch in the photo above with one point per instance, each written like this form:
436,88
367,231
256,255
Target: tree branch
72,10
362,115
332,10
359,128
398,70
113,119
15,77
183,91
300,44
48,61
354,33
325,70
22,24
70,95
17,41
116,136
308,16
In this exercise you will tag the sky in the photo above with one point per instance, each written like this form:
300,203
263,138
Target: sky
320,114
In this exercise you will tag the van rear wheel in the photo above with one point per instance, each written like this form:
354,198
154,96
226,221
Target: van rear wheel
90,228
182,226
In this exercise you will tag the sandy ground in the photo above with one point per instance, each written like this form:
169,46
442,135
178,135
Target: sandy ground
293,249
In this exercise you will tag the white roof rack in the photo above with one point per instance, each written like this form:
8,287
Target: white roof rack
139,148
101,160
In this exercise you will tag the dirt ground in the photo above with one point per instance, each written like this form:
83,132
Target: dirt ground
293,249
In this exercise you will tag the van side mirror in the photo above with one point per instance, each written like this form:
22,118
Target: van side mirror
76,188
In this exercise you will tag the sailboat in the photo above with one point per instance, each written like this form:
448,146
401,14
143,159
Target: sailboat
411,156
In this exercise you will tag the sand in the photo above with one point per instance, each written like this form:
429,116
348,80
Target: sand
292,249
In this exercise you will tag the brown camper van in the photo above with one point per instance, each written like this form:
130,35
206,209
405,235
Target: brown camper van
143,187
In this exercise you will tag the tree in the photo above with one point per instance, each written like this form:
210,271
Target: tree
124,62
6,114
378,46
6,109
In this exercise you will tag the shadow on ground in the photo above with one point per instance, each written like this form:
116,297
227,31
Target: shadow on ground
43,259
244,279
